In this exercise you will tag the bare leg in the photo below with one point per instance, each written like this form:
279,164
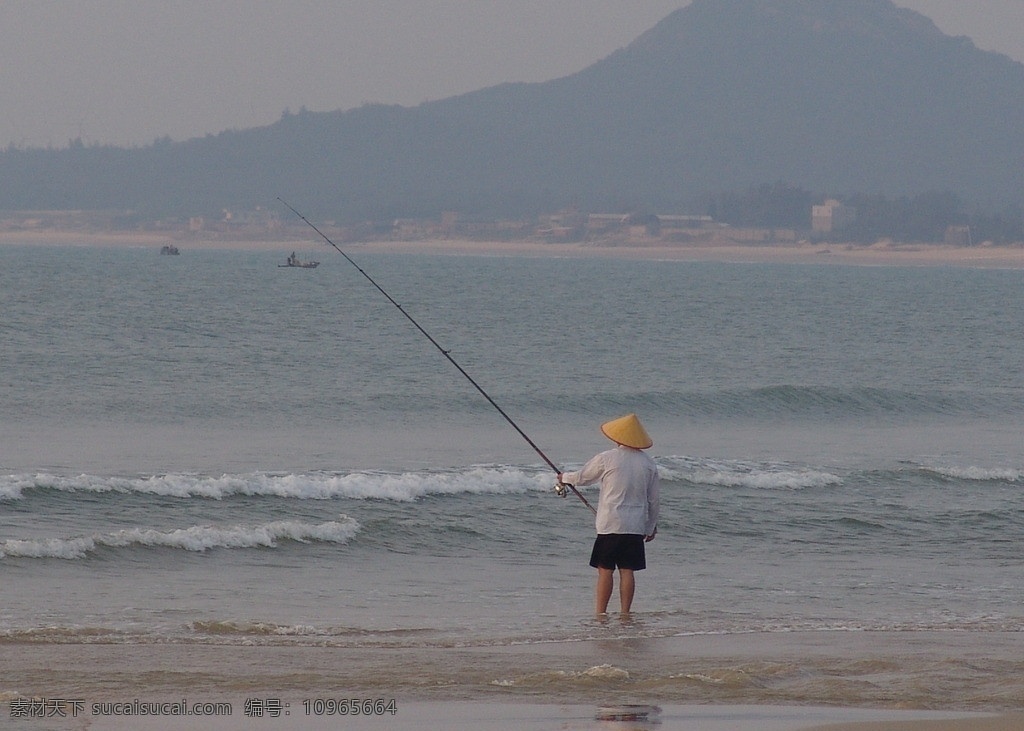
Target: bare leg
627,587
605,582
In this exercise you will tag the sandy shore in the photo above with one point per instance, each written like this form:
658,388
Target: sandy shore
896,680
292,715
1005,257
467,716
1013,722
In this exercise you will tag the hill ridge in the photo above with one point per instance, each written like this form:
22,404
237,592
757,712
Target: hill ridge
836,96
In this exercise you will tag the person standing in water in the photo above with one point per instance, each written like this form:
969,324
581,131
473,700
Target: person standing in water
627,511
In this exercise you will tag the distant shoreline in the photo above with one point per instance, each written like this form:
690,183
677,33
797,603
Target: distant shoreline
887,254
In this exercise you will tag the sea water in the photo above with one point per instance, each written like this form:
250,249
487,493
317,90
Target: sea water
210,449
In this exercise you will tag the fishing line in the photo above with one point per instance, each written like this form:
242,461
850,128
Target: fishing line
560,488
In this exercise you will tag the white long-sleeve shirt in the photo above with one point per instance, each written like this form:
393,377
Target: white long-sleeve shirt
629,490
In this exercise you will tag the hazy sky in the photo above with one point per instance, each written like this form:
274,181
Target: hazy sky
126,72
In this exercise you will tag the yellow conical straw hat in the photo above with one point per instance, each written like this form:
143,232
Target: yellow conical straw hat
627,431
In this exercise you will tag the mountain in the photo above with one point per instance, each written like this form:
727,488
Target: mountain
836,96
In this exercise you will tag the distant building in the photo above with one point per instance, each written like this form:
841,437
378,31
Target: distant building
606,220
831,216
674,221
258,217
759,235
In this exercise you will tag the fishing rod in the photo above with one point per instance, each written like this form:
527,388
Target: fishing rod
560,488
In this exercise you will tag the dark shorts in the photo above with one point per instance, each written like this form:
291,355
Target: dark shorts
619,551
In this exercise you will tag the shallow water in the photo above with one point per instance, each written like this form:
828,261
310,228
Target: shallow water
207,449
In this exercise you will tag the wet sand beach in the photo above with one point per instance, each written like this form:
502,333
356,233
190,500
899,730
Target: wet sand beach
755,682
469,716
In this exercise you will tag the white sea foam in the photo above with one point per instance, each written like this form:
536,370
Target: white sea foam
195,538
771,480
606,672
736,473
215,627
979,474
405,486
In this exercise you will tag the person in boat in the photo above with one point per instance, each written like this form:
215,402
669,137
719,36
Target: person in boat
627,511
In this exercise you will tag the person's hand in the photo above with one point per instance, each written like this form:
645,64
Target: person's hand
648,539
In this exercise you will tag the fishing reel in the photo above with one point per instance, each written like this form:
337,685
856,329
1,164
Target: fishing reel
562,489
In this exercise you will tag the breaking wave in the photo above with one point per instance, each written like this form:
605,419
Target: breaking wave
975,474
404,487
739,473
195,538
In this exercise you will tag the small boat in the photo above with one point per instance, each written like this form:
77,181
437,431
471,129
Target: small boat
169,250
294,261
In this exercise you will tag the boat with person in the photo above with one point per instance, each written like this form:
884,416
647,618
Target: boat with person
294,261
